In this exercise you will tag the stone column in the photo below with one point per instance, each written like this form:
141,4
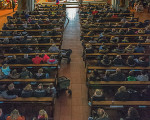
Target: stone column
25,5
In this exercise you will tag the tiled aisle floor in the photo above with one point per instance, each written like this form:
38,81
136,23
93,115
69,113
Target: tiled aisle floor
75,107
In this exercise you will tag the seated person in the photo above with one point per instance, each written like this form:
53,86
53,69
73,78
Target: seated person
53,49
139,49
114,39
25,60
147,39
15,114
98,95
105,61
6,70
2,76
2,115
89,48
130,32
118,61
25,74
118,76
52,60
5,27
45,33
126,25
14,74
121,32
145,94
45,57
131,61
5,41
42,115
37,59
122,94
132,114
129,49
40,91
51,90
125,40
143,76
103,48
101,115
140,39
15,50
40,74
27,91
118,49
36,26
107,76
12,90
131,76
13,60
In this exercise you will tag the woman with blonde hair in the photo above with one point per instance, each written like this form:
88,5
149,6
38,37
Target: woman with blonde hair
102,115
15,115
122,94
27,91
42,115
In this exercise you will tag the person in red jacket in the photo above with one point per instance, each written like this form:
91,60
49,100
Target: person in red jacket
94,12
37,59
45,58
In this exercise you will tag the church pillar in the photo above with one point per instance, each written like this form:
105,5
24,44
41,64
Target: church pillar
120,4
25,5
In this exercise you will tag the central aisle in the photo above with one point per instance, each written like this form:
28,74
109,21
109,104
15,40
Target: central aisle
75,107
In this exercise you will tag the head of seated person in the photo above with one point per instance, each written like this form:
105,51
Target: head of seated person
98,95
132,114
42,115
105,61
131,61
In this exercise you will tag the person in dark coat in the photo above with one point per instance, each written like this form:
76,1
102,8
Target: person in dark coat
40,91
27,91
118,76
122,94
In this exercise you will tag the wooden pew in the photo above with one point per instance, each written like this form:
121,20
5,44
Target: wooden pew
97,54
120,103
113,68
57,36
21,54
30,99
118,83
33,30
32,65
29,80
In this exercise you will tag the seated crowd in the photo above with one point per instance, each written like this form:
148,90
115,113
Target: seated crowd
15,115
10,92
